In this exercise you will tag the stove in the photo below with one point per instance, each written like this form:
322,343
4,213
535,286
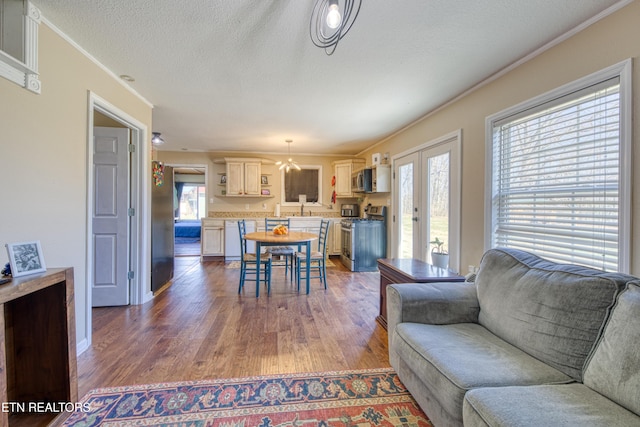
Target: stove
364,240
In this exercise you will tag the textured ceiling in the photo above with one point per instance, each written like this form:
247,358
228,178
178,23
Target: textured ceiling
243,75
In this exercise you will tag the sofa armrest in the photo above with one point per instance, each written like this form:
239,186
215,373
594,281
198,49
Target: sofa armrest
433,303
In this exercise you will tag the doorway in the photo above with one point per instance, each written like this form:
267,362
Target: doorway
190,182
426,205
136,256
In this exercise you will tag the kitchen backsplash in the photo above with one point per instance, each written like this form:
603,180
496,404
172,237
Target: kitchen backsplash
267,213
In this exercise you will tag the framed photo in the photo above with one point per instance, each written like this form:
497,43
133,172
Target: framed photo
266,192
26,258
264,180
223,179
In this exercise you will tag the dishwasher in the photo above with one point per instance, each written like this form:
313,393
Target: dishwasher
232,239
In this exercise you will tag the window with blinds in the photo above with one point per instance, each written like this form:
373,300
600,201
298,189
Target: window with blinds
556,177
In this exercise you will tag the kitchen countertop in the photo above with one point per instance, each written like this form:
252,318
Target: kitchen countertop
268,214
294,219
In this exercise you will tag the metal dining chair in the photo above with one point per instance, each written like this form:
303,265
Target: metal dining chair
284,253
318,259
248,263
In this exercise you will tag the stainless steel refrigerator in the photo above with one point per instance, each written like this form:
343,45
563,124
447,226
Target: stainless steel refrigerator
162,225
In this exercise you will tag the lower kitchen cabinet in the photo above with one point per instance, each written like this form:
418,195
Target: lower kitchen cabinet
212,237
220,237
310,224
334,244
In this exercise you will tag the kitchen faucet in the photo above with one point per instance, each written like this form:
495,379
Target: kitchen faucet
301,209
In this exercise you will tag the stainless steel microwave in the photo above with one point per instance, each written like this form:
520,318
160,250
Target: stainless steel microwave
361,181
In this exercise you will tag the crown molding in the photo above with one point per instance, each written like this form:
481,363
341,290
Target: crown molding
91,58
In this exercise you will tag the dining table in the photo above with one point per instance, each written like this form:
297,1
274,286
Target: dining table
292,238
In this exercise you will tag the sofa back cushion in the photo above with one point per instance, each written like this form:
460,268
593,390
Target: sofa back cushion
554,312
613,369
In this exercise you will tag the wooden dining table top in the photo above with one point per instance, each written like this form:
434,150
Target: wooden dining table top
291,237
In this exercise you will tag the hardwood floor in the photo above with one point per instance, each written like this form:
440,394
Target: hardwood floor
187,249
200,328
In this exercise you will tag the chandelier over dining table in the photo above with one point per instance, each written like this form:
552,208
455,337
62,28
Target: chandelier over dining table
289,164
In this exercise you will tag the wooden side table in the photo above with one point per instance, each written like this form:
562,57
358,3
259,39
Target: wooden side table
408,270
38,346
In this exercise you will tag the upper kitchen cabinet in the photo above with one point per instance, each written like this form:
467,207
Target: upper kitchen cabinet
381,178
342,172
243,177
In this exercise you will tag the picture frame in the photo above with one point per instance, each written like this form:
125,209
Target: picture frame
26,258
266,192
223,179
264,180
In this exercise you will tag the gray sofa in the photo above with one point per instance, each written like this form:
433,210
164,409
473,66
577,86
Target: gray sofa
529,343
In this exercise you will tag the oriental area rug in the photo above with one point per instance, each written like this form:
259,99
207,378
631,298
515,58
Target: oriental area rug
346,398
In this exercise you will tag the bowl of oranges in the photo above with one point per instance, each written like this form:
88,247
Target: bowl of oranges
280,230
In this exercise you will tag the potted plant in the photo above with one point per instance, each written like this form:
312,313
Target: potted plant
439,256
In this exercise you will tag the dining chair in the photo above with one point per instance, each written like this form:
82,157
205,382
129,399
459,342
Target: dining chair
284,253
248,263
318,259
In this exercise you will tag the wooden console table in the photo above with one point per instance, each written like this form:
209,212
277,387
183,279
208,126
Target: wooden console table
408,270
38,347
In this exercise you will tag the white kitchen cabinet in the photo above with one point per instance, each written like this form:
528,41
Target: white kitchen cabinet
212,237
310,224
334,243
342,171
381,178
232,247
252,184
235,178
243,177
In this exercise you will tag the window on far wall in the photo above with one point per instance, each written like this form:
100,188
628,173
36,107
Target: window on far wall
193,203
307,181
559,173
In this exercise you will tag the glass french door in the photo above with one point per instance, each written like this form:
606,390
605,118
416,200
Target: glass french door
427,201
408,186
436,174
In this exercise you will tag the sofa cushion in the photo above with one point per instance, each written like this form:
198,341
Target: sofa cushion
554,312
455,358
613,369
544,405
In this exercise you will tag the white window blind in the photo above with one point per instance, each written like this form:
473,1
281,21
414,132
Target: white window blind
556,178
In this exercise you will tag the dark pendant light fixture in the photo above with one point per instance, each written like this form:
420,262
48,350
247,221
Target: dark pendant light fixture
330,22
289,164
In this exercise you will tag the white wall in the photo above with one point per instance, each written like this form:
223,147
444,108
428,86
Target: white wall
43,155
605,43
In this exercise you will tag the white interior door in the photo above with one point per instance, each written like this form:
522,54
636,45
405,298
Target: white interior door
110,281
